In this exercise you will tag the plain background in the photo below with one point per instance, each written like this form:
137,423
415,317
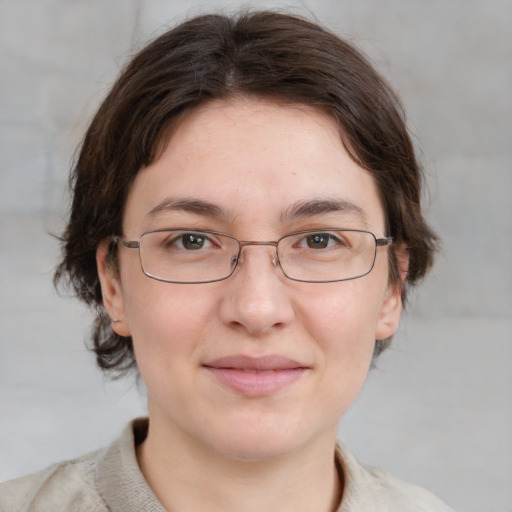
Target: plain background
437,411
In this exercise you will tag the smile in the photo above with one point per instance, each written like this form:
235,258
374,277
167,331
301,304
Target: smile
255,377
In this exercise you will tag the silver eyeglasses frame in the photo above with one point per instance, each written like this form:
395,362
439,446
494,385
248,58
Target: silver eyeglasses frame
136,244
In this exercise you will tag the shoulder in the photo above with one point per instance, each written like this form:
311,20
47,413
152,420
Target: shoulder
108,479
69,485
372,489
407,496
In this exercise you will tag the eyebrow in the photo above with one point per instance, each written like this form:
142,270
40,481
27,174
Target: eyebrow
321,206
197,206
306,208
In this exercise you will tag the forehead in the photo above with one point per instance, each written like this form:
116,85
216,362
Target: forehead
254,160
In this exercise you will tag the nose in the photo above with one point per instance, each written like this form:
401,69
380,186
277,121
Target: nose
257,298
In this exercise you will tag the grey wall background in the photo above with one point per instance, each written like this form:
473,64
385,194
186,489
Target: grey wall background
438,409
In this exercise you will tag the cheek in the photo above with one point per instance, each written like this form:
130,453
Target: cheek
343,321
167,321
338,319
346,313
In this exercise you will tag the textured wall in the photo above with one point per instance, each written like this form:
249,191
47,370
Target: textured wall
438,409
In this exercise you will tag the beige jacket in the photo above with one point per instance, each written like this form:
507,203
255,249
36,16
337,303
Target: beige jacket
110,480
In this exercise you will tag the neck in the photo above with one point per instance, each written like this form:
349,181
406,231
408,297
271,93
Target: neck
185,475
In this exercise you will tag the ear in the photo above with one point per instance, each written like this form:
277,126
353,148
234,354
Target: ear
111,289
392,306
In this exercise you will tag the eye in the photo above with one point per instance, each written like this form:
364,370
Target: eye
190,241
320,241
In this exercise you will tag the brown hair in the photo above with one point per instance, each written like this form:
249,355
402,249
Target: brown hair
213,57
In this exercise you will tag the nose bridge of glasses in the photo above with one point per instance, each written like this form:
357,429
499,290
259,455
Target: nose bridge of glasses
246,243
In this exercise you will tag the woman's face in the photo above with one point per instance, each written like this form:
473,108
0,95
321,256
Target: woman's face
257,365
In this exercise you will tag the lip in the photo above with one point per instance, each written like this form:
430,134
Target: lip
255,376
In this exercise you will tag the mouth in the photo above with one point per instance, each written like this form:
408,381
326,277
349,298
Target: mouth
255,377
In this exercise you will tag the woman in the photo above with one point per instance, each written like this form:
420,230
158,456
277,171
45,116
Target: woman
246,221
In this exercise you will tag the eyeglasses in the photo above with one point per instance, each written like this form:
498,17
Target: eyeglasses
191,256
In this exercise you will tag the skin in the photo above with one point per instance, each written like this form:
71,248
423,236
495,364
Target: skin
210,447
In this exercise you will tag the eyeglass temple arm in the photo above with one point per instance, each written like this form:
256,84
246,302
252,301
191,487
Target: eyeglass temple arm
129,244
384,241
